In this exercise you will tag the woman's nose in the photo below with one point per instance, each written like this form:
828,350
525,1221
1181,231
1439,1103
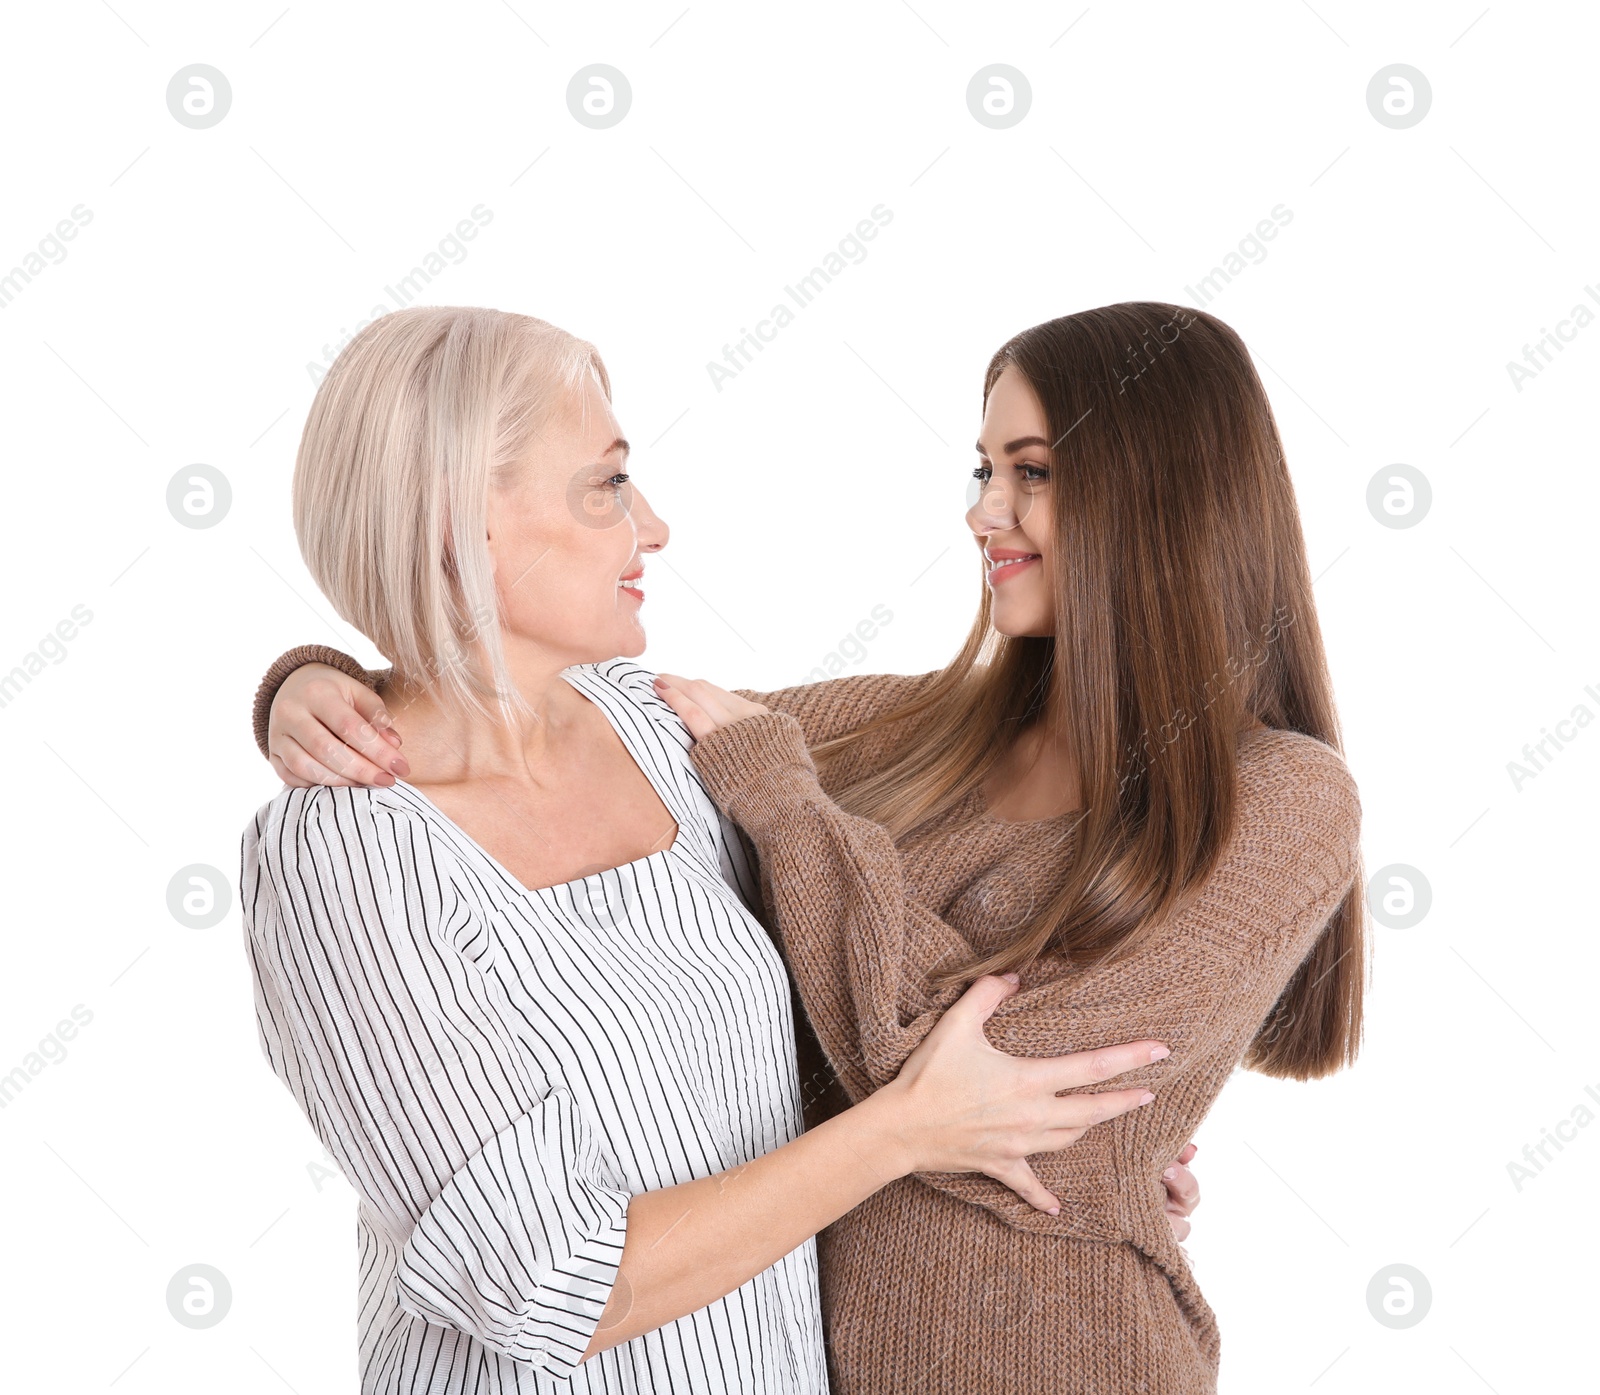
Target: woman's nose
991,512
652,531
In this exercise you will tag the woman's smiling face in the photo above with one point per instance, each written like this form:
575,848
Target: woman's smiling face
568,534
1012,519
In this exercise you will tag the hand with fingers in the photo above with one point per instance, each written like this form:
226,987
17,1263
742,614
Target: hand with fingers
703,706
970,1107
328,729
1183,1192
960,1105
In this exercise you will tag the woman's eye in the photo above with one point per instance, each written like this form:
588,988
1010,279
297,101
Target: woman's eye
619,479
1031,474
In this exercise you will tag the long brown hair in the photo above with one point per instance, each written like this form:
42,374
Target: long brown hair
1182,602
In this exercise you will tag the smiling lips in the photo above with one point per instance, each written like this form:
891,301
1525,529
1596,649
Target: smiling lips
1006,562
634,591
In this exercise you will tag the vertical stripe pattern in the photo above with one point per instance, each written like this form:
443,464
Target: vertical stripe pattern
498,1070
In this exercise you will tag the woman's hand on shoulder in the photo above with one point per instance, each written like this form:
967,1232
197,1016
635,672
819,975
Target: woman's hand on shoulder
327,729
703,706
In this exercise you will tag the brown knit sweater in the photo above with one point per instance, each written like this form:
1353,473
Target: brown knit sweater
949,1282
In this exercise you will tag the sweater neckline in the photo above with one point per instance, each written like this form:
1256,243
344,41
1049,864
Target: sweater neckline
980,807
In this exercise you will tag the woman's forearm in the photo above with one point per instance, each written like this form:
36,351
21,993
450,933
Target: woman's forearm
957,1106
691,1244
865,952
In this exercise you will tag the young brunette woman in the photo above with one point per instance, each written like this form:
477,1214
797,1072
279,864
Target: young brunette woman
520,998
1126,788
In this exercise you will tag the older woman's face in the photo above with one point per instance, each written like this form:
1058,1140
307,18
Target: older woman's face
568,535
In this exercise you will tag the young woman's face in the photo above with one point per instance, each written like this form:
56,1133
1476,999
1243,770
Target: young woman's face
568,534
1012,517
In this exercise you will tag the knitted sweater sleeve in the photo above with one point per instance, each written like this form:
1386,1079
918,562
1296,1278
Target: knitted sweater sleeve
838,705
862,952
286,663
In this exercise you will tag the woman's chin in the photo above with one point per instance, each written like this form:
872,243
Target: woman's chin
1018,626
632,642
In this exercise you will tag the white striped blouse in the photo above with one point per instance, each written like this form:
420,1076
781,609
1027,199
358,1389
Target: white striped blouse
497,1070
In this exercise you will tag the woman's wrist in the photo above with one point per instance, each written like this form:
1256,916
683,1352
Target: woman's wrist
878,1131
285,664
753,767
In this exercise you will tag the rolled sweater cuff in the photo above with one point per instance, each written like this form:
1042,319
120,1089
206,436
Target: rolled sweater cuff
757,768
287,663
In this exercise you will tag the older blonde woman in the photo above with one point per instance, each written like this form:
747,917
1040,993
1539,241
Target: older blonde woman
520,996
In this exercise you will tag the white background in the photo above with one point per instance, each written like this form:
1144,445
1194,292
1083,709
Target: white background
829,477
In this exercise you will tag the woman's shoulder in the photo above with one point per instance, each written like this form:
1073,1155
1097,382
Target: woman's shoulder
335,821
1290,781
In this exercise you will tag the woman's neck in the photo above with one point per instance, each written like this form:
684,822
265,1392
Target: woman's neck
1038,776
445,744
1035,777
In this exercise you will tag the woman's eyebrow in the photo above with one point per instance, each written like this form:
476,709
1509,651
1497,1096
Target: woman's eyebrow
1012,447
618,444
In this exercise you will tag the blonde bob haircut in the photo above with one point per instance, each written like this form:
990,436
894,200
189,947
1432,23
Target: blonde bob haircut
422,413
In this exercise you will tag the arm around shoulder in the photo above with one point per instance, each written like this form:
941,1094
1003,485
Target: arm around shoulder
286,663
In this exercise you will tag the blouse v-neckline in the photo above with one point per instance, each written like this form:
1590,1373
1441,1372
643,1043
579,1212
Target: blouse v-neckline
532,893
